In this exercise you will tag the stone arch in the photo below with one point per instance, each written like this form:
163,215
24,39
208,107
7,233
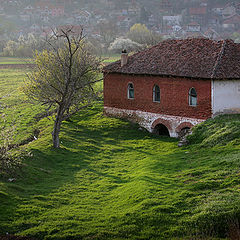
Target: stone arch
183,126
162,125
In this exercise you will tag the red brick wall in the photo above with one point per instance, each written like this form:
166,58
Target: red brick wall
174,95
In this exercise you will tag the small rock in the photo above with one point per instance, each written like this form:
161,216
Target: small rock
183,142
12,179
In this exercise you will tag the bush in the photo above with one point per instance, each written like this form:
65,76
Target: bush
9,162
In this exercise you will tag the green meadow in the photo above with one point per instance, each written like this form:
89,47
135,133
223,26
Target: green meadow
15,60
109,58
111,180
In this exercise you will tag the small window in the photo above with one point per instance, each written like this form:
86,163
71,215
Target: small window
193,97
130,91
156,93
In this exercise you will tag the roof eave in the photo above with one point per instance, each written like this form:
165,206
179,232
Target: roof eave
173,76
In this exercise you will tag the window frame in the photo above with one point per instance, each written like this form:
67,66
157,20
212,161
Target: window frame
130,89
191,96
154,94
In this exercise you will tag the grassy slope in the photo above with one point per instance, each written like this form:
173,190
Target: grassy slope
13,104
111,180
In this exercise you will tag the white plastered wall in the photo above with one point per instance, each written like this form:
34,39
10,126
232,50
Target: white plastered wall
225,97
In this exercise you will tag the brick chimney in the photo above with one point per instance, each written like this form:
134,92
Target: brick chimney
124,58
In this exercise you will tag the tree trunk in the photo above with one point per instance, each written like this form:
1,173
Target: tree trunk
56,129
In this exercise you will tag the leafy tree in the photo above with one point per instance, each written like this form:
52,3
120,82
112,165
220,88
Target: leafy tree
31,40
64,77
21,39
141,34
23,47
10,48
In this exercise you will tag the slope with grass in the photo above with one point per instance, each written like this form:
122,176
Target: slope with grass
110,180
15,109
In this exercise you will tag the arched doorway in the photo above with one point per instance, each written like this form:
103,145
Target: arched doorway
184,131
161,130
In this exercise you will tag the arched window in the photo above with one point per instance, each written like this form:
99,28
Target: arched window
193,97
130,91
156,93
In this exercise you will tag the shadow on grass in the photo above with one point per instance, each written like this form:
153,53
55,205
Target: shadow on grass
90,145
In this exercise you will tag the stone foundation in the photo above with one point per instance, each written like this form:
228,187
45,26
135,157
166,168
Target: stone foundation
149,120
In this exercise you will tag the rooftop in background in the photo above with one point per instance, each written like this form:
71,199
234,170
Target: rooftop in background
197,10
195,58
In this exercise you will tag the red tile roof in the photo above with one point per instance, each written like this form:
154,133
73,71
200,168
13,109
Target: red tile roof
193,24
235,19
198,11
195,58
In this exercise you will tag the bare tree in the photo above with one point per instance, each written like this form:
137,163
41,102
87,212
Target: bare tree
64,76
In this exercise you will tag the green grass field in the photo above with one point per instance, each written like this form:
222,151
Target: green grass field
110,58
14,60
110,180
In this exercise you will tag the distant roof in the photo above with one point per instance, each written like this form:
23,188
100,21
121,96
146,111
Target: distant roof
211,30
197,11
232,19
195,58
193,24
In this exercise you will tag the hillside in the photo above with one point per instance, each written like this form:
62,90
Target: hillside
220,131
111,180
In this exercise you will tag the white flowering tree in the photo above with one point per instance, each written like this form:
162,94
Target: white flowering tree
124,43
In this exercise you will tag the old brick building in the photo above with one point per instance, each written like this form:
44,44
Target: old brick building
175,84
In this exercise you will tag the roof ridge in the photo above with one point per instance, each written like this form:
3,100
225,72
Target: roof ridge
218,58
196,58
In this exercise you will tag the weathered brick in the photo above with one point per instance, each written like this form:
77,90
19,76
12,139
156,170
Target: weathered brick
174,95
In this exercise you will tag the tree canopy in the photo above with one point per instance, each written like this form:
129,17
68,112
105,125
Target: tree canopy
141,34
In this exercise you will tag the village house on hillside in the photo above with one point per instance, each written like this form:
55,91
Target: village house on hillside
175,84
